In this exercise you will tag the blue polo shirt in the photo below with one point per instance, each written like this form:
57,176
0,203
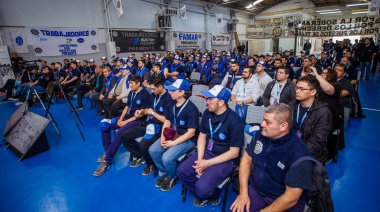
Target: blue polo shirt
137,101
187,118
229,134
159,104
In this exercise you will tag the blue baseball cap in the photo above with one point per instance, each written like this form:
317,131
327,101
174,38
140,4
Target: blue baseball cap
270,54
232,60
218,92
124,67
262,63
177,57
179,84
120,60
106,123
152,130
103,58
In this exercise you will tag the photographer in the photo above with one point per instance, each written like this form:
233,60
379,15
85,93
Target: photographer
16,60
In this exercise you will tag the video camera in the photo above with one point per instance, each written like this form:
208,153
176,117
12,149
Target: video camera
29,65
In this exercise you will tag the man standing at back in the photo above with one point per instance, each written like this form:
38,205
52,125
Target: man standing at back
219,143
273,185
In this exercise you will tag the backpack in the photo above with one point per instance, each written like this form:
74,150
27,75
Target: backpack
320,194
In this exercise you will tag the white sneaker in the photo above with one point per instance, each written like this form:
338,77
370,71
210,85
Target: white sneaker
19,103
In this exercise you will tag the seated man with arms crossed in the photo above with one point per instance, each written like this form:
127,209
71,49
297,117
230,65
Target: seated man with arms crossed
221,137
273,185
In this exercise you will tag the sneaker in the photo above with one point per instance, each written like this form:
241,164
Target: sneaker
148,169
137,162
101,169
12,99
213,201
19,103
101,158
159,182
168,184
79,108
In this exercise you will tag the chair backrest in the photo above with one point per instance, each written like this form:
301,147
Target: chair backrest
255,114
231,105
198,88
195,76
199,102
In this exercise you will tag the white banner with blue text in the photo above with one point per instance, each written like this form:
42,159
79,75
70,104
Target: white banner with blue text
187,40
63,41
15,39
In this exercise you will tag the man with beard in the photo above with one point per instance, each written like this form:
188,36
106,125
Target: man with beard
232,76
280,90
324,62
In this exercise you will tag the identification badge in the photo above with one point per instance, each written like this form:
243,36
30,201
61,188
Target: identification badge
275,101
299,134
151,116
175,127
231,85
129,111
210,144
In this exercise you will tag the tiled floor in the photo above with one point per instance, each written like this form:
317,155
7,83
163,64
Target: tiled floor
61,179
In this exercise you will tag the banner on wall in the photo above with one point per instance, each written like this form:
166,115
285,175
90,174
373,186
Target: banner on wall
185,40
138,41
63,41
15,38
220,39
358,26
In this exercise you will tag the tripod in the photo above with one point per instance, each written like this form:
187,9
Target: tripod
69,105
43,106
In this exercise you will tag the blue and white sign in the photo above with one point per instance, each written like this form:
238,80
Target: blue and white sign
15,38
63,41
185,40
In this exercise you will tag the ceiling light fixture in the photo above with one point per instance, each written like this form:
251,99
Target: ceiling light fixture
359,12
330,12
354,5
321,11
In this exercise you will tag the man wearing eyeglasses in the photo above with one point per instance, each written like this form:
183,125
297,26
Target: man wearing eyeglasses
312,118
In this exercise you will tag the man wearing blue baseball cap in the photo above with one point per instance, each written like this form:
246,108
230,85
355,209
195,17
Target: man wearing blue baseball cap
105,63
220,139
182,120
176,71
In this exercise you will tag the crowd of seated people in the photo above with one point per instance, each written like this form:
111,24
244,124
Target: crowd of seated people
306,99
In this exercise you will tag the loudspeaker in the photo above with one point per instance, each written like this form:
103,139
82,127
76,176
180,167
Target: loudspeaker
230,27
290,24
27,138
164,21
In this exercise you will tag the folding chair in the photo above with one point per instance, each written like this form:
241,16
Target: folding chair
231,105
198,88
199,102
255,115
195,76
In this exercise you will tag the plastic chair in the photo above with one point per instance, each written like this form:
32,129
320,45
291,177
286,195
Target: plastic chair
255,115
198,88
199,102
195,76
231,105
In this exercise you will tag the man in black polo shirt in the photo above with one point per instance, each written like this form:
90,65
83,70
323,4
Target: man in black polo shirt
138,99
368,51
347,91
160,101
324,61
72,77
221,137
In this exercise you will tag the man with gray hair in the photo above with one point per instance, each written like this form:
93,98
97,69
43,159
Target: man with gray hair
273,185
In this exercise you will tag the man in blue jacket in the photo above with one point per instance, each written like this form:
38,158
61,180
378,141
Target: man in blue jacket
273,185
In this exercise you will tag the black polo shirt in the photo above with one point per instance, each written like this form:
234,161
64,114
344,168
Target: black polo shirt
367,53
229,134
187,118
137,101
159,104
74,72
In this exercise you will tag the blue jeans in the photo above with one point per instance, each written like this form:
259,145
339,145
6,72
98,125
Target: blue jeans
37,88
166,159
365,66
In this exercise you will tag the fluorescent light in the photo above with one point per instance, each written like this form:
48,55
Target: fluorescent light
359,12
354,5
330,12
256,2
321,11
249,6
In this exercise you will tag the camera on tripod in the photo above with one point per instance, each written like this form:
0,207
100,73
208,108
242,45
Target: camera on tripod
30,65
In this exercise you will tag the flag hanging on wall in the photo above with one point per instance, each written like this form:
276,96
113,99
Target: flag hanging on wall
15,38
219,20
182,13
119,7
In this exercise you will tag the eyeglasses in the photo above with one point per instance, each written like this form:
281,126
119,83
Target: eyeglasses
302,89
